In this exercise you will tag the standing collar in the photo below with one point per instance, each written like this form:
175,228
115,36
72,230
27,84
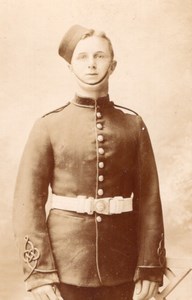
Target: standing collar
89,102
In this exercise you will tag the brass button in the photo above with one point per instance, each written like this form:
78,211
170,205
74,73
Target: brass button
100,138
101,164
99,219
98,114
101,151
101,178
99,126
100,192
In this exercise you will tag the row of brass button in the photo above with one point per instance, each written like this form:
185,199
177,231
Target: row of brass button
101,151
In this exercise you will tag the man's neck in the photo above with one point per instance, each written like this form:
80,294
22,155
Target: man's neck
93,92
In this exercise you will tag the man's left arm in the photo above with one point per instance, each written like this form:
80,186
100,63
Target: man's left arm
151,252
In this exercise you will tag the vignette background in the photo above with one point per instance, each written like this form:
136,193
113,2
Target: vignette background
153,46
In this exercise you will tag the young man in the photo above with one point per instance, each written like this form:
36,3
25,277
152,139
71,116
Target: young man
104,235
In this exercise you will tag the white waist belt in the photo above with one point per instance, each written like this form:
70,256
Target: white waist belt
81,204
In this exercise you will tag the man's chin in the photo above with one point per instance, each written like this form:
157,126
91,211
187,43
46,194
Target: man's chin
92,81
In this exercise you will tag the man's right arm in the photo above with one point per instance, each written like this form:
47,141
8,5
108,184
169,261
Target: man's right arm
29,215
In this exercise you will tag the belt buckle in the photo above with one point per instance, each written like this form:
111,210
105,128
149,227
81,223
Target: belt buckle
102,206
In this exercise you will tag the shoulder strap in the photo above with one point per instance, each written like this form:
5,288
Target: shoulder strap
126,109
56,110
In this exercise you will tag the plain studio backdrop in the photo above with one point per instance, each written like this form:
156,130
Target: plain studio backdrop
153,46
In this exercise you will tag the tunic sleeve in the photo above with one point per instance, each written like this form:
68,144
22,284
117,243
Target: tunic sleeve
151,252
29,217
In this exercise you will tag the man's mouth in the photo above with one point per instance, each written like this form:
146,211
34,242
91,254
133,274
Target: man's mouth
91,74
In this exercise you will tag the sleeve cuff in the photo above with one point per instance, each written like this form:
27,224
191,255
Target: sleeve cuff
39,279
149,273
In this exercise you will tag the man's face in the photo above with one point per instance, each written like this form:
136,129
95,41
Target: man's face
92,61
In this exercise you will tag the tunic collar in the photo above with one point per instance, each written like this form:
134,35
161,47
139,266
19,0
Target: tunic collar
89,102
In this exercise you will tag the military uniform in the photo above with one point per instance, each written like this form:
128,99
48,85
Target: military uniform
92,149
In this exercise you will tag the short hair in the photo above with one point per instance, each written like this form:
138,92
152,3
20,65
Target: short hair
100,34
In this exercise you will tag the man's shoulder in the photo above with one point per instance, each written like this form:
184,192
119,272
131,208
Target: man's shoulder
127,112
126,109
55,111
133,118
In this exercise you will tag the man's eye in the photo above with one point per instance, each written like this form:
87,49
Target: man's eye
100,56
82,56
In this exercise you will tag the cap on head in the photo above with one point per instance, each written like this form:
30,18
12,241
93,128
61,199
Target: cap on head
70,41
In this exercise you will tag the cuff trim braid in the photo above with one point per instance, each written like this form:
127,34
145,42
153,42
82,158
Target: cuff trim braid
31,256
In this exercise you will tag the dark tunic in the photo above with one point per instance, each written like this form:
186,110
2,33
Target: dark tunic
68,150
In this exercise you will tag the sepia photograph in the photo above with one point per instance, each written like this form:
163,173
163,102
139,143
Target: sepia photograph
96,150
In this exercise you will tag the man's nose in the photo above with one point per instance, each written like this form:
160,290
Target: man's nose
92,63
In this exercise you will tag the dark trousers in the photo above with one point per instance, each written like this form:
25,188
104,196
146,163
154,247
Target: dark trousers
119,292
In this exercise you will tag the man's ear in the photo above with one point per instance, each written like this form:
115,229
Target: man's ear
112,66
